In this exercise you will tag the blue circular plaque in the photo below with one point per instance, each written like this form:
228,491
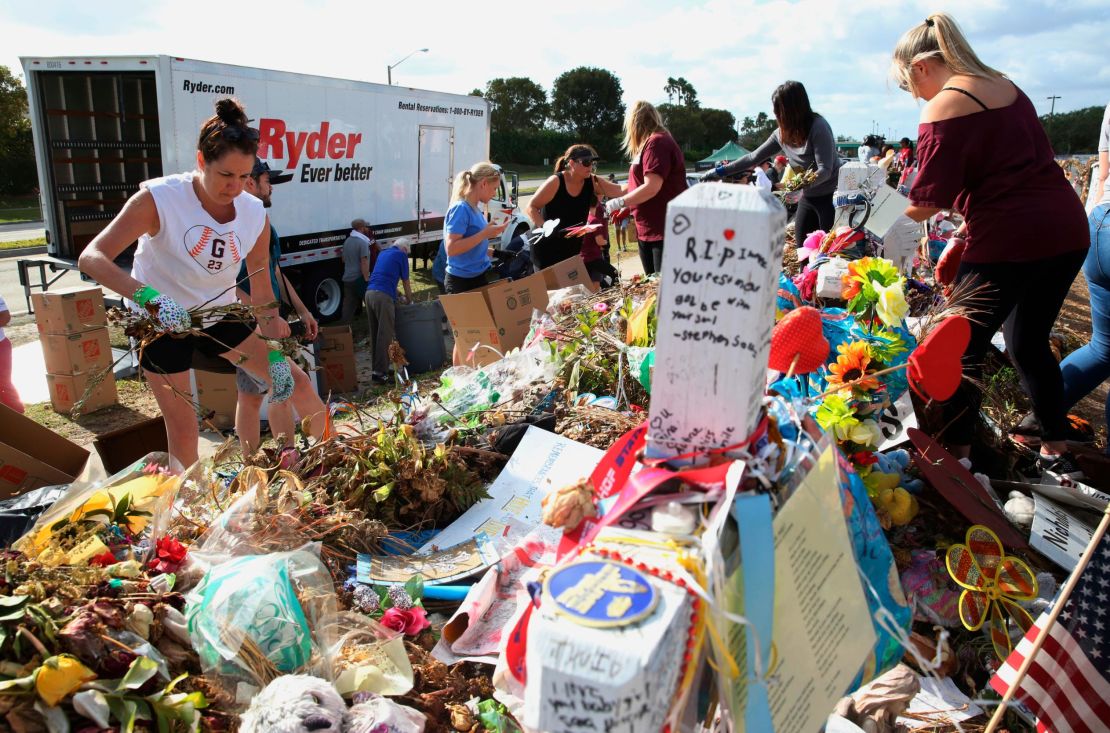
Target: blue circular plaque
600,593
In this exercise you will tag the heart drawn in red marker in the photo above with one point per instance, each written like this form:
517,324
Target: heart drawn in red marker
729,234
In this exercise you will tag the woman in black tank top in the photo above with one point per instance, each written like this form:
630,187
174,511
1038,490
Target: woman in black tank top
567,196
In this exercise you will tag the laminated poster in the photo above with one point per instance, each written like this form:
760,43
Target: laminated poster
822,627
1058,534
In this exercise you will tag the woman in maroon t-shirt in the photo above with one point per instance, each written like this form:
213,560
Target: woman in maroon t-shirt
982,151
657,175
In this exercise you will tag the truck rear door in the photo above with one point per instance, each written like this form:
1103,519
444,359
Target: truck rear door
436,173
102,138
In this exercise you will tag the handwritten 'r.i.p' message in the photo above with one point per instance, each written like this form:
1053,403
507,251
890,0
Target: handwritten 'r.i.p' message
721,259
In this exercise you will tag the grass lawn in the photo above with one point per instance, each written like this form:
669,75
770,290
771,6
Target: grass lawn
20,243
19,208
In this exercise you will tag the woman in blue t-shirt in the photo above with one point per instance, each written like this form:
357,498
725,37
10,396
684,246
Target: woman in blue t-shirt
466,232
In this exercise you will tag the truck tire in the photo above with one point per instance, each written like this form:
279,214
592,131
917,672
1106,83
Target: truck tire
322,291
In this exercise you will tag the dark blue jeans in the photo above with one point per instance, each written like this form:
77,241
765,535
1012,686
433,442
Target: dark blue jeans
1088,367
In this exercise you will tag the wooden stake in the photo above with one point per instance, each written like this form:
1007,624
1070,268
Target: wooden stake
1038,643
793,366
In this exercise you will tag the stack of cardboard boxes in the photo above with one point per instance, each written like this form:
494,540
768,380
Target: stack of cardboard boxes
337,360
73,331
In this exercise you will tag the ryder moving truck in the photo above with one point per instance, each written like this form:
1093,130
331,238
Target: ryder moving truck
387,154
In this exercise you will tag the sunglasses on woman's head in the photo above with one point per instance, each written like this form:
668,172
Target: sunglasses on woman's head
234,133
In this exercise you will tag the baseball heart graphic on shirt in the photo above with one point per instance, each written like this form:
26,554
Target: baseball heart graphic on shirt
213,251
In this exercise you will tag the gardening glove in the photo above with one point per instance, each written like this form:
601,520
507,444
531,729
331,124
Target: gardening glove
949,263
713,175
173,317
281,376
614,205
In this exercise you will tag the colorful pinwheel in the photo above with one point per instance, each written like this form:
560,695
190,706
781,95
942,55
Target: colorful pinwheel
992,582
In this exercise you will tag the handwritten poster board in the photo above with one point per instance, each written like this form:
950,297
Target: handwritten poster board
721,259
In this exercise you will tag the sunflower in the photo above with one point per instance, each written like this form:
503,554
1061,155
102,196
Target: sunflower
852,365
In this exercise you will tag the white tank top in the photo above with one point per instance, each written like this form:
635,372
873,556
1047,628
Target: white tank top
194,259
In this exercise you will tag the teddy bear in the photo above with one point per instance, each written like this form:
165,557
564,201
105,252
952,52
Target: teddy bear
298,703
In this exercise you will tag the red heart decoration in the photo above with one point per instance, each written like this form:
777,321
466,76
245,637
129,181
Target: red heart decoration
799,335
935,369
729,234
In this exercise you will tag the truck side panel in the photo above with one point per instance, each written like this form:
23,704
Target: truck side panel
352,148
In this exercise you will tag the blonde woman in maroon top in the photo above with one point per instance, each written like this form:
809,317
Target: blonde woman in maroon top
981,151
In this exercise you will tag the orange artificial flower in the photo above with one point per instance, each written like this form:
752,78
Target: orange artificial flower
852,365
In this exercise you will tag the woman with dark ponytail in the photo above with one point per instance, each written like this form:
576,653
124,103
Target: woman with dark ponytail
194,229
568,196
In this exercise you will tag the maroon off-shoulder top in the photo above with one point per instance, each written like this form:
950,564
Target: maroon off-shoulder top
996,168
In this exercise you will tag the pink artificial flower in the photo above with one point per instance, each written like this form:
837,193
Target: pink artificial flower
410,621
601,307
806,282
811,245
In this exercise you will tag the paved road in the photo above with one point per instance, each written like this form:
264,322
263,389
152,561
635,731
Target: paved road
12,291
21,230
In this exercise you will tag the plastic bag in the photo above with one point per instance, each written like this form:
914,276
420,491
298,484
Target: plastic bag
564,300
18,514
254,617
116,511
364,656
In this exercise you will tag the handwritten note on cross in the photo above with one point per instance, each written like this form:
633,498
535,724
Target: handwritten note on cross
721,260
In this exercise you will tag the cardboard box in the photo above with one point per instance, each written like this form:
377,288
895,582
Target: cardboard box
66,390
337,339
337,359
567,273
32,455
497,315
84,352
217,396
69,310
118,449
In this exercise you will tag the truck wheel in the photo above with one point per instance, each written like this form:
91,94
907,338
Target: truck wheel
322,291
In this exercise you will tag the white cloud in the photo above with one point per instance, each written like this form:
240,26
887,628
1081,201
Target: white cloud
734,52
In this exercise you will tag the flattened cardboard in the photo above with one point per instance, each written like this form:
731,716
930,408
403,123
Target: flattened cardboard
32,455
217,396
66,390
85,352
69,310
118,449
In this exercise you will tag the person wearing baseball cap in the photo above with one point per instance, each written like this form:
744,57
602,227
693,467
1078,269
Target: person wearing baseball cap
252,392
777,170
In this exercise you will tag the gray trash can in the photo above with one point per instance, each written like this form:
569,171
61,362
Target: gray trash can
420,328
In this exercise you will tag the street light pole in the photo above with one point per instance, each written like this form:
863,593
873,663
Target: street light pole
389,69
1052,111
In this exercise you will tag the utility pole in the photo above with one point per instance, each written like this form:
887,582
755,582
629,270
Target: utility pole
1052,111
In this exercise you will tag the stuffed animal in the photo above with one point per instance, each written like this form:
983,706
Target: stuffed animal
898,461
296,703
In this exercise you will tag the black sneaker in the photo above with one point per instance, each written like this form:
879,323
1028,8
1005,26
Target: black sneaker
1027,432
1062,469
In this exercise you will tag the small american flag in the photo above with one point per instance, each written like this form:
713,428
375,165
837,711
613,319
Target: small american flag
1068,685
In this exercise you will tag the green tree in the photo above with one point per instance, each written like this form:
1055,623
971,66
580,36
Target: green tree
681,91
475,93
685,124
516,103
17,154
720,127
587,102
1075,131
753,131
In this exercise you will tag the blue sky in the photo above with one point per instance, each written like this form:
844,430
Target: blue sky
734,51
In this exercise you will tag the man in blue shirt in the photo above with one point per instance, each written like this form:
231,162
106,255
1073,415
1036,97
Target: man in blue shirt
391,268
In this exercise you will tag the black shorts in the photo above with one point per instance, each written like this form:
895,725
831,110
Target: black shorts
456,285
174,354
